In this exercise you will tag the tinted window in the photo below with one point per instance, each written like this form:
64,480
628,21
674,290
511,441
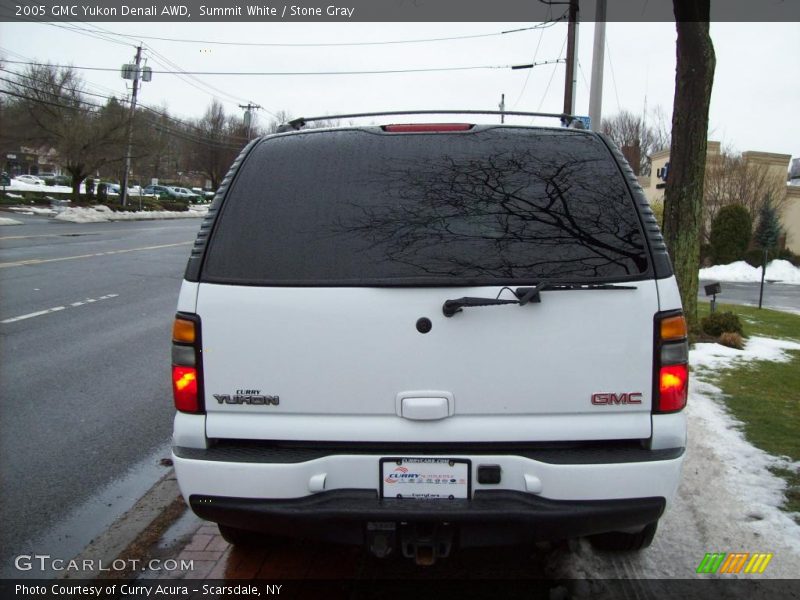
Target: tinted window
357,207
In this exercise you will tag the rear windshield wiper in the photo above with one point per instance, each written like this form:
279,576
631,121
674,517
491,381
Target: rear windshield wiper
524,295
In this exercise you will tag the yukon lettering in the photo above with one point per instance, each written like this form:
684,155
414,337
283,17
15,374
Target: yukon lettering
256,399
608,399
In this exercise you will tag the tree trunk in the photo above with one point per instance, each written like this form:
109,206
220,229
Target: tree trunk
77,179
683,195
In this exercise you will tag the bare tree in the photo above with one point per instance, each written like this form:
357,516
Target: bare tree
216,141
86,136
636,138
683,196
731,179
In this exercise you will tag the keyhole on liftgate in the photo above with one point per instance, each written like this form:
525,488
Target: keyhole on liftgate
424,325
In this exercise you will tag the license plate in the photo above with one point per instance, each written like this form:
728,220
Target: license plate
435,478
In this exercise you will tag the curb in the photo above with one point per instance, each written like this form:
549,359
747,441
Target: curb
129,535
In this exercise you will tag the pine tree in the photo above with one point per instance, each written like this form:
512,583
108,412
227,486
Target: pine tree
769,227
766,237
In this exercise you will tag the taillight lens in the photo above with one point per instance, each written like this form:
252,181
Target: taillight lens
673,328
671,363
187,364
183,330
184,389
673,387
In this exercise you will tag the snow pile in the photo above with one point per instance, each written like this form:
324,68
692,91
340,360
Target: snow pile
14,196
21,186
780,270
4,221
745,467
32,210
102,214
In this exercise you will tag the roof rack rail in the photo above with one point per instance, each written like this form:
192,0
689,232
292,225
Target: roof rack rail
300,122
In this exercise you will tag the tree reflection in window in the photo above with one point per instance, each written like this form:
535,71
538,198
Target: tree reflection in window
521,210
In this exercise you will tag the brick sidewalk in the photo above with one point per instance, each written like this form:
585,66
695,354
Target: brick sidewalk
214,559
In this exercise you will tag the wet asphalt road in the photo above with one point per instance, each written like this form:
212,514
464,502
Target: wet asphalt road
85,321
780,296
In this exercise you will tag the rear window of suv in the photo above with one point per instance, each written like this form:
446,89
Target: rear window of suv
490,206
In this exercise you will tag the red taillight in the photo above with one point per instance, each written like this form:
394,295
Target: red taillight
184,388
671,358
187,364
673,387
427,127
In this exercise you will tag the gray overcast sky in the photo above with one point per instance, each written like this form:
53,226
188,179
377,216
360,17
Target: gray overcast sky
754,103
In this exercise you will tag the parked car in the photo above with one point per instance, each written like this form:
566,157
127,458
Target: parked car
161,191
185,194
451,334
30,179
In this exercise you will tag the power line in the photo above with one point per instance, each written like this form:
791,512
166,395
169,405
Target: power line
121,100
158,126
84,92
613,78
66,25
535,54
301,73
547,89
189,79
47,102
334,44
583,76
184,75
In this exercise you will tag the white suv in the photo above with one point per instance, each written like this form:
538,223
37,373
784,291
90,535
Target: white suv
421,336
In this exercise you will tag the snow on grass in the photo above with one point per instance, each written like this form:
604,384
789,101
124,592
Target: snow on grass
780,270
5,221
32,210
758,492
102,214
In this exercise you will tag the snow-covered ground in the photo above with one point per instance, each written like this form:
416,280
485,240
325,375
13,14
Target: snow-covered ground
32,210
727,501
778,270
20,186
103,214
5,221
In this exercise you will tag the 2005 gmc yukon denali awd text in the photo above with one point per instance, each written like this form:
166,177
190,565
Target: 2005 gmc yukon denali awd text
417,337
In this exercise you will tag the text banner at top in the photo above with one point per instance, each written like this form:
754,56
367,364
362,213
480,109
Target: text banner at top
382,11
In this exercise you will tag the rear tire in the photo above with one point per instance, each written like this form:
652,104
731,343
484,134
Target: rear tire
618,541
244,538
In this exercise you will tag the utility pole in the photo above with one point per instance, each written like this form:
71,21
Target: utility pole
123,192
248,116
598,60
570,80
502,107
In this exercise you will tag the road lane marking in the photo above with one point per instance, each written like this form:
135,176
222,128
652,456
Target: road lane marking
57,309
82,233
49,235
39,261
